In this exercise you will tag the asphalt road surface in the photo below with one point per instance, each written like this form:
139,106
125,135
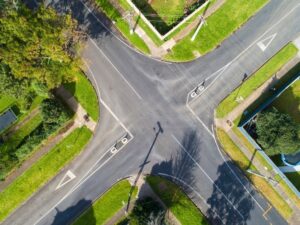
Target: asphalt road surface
168,132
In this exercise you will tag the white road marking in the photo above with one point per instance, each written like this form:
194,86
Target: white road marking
104,104
118,38
190,187
81,181
200,121
200,167
236,176
257,40
66,179
137,94
216,74
264,44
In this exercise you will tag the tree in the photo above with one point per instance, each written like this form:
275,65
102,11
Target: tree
39,45
277,132
53,111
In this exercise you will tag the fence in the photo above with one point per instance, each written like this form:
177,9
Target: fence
256,146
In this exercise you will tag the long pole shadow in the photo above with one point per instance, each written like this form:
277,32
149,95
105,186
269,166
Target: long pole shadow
157,132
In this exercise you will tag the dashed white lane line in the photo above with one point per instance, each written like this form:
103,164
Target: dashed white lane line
194,190
127,82
209,178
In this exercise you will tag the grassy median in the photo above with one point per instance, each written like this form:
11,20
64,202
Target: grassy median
257,79
261,184
177,201
220,25
42,171
85,94
107,205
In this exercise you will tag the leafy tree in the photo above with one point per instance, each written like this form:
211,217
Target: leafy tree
53,112
277,132
39,45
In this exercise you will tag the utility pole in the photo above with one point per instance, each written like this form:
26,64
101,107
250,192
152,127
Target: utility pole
202,22
262,176
130,18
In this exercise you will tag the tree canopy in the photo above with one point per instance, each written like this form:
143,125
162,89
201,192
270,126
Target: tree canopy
38,44
277,132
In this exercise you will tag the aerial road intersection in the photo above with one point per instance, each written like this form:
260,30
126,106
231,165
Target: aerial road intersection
158,118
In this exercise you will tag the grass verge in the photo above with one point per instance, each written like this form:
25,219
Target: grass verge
177,201
261,184
107,205
42,171
85,94
257,79
228,18
122,25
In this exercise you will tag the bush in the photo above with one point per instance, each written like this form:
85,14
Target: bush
277,132
53,112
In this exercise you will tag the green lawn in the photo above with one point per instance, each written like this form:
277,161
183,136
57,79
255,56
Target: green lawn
42,171
220,25
85,94
289,101
107,205
177,201
257,79
261,184
122,25
5,102
294,178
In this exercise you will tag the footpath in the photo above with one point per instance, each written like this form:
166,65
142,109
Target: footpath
226,124
162,50
78,121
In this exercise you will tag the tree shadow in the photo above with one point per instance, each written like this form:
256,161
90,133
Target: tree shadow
89,18
180,167
145,162
229,200
73,212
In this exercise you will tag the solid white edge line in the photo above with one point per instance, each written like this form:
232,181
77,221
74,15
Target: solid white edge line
196,192
203,171
234,172
127,82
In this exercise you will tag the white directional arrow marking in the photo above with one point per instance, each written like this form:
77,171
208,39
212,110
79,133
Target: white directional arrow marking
263,44
66,179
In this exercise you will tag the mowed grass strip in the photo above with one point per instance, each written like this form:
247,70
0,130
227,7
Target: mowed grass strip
42,171
85,94
261,184
220,25
107,205
257,79
122,25
177,201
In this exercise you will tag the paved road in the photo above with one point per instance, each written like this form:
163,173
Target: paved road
145,100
